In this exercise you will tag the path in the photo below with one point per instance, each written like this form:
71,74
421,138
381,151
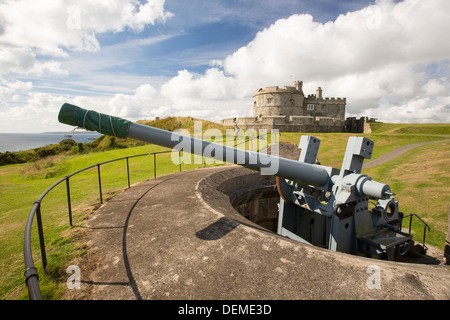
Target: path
395,153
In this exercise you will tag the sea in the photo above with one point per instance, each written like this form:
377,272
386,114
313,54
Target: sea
23,141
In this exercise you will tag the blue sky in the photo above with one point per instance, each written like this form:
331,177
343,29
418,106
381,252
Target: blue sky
206,58
199,31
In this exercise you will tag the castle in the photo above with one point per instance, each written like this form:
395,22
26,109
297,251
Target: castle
289,110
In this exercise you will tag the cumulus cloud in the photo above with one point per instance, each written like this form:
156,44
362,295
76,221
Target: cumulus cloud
208,97
372,38
390,60
53,27
12,90
36,34
373,55
132,106
41,106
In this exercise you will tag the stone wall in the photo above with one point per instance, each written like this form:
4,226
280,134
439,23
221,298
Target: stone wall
325,107
275,101
289,124
360,125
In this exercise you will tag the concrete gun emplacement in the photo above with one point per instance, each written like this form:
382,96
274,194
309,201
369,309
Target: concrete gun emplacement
319,205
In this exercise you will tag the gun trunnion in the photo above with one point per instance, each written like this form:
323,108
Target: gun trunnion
319,205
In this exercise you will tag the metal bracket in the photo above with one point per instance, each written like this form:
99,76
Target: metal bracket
358,149
310,148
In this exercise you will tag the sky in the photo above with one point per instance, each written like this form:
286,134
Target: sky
205,58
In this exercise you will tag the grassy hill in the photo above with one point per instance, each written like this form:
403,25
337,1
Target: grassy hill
420,177
103,143
174,123
408,128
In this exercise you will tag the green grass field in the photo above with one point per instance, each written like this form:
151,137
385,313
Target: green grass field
420,177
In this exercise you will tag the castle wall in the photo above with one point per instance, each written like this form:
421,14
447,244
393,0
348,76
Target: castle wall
288,124
360,125
325,107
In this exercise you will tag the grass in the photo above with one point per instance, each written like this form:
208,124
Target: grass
420,178
406,128
187,123
332,145
21,184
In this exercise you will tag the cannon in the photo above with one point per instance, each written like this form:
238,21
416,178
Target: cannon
319,205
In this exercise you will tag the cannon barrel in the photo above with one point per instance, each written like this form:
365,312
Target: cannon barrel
122,128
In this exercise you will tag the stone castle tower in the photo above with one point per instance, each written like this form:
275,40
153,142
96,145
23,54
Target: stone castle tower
290,101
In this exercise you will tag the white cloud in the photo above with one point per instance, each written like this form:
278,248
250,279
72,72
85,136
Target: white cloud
375,57
54,27
390,60
435,87
13,90
132,106
376,54
212,85
420,110
39,111
206,97
36,35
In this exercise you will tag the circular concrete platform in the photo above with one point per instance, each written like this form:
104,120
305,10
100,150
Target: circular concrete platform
179,237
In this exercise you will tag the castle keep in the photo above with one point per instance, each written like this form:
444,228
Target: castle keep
289,110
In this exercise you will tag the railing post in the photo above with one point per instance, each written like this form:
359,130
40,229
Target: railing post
410,222
128,173
447,241
424,234
41,237
179,159
32,282
99,183
154,165
69,203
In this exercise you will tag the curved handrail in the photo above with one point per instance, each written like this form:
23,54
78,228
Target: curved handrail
31,274
425,227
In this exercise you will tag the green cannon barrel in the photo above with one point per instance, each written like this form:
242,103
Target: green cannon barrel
268,164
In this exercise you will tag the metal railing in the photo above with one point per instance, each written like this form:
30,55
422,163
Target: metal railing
31,274
425,227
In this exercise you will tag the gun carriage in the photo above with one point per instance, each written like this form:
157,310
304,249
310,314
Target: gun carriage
319,205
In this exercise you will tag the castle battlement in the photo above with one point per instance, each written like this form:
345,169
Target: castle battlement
337,100
327,99
276,89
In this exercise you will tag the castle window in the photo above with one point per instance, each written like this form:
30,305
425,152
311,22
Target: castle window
310,107
269,100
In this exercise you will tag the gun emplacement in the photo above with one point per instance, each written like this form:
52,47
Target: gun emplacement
319,205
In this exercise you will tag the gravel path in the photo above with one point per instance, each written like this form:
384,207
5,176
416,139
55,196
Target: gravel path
395,153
